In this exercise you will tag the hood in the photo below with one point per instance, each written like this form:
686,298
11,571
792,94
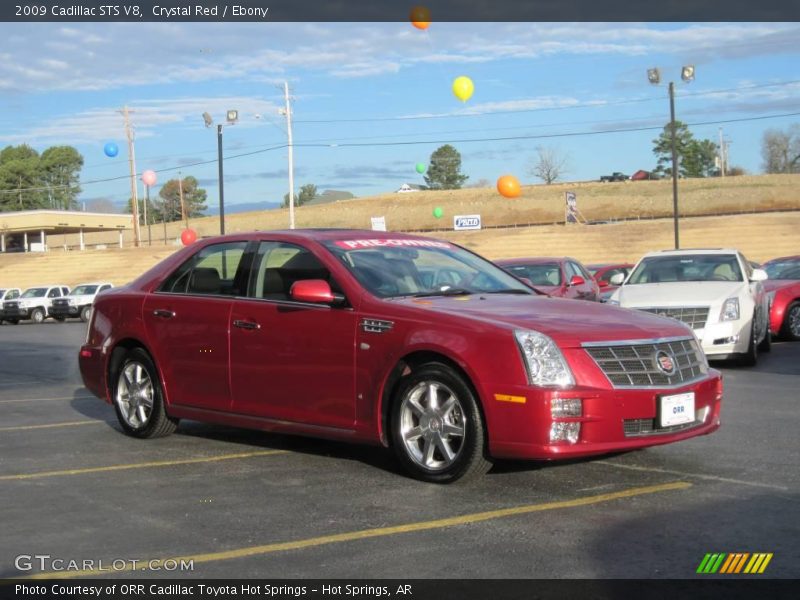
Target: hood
679,293
771,285
568,322
548,290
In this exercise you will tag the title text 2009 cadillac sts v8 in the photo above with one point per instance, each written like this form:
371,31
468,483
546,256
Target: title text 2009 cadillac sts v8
390,339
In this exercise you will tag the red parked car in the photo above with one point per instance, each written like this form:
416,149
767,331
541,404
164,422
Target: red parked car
352,335
783,290
555,277
603,273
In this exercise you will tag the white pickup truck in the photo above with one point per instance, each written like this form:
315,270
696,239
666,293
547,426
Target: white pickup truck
78,304
34,303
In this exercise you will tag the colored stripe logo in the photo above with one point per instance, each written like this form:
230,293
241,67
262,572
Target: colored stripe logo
734,563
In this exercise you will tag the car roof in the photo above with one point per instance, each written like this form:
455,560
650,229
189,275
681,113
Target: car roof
536,260
95,283
690,251
783,258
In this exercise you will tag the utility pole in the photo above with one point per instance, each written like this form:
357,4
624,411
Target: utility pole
184,216
721,154
132,165
221,181
675,215
288,112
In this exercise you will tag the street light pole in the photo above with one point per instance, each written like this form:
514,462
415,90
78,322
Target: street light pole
221,184
675,216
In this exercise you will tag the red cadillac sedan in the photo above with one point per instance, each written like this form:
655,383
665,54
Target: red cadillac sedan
783,289
555,277
395,340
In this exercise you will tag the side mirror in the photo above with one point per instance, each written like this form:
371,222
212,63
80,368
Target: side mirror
602,283
617,279
576,280
759,275
315,291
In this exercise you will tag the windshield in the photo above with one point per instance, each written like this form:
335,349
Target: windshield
538,274
35,293
84,290
407,267
783,270
687,267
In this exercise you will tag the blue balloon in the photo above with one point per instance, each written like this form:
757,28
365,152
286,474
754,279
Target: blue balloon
111,149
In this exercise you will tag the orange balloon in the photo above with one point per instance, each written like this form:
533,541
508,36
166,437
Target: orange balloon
420,17
508,186
188,236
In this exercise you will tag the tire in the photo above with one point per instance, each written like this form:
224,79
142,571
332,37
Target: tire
138,398
766,344
417,426
790,329
750,358
86,313
37,315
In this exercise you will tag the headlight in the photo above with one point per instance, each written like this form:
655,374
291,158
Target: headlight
71,301
730,310
543,360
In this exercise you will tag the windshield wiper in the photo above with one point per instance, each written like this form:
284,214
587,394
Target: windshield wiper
451,291
511,291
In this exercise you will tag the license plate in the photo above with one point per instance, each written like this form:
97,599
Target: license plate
676,409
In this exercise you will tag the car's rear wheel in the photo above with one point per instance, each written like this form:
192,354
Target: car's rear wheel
138,398
37,315
791,322
86,313
750,358
438,433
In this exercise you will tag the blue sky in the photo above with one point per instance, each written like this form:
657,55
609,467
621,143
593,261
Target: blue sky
63,83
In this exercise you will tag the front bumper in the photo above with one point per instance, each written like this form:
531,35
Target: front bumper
726,338
65,311
612,420
16,313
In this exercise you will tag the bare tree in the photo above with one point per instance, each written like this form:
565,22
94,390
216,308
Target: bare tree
549,165
781,150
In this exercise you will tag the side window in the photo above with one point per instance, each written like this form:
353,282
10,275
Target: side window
14,294
573,270
65,291
582,272
103,288
210,272
278,265
54,293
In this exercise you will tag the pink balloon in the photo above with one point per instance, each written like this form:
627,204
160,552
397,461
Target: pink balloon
188,236
149,177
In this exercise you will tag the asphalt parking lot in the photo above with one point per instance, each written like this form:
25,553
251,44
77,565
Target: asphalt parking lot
247,504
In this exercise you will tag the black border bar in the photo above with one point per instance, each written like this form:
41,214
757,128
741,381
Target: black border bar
397,10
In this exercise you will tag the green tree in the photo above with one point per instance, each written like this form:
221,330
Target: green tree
444,171
169,209
60,168
695,157
307,193
19,179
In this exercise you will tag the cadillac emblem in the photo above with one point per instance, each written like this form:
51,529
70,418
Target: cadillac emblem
665,363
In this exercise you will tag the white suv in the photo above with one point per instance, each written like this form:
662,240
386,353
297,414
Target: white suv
78,304
33,304
715,292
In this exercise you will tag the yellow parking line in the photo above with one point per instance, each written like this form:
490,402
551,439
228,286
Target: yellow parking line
382,531
51,425
144,465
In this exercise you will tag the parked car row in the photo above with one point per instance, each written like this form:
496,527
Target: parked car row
733,305
49,301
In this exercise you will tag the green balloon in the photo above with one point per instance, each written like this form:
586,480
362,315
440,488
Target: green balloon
420,168
438,212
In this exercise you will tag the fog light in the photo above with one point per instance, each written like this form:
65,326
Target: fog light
565,432
566,407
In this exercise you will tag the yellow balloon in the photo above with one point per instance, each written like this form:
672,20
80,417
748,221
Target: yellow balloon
463,88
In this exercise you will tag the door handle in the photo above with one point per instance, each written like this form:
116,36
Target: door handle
246,324
163,313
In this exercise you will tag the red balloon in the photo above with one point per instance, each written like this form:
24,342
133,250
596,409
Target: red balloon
188,236
149,177
508,186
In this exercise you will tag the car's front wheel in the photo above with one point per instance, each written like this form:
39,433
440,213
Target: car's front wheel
138,398
750,358
37,315
438,433
791,322
86,313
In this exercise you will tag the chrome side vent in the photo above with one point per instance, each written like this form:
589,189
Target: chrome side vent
376,325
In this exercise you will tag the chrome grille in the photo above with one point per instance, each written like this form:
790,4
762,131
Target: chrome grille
11,305
61,302
694,316
634,364
637,427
